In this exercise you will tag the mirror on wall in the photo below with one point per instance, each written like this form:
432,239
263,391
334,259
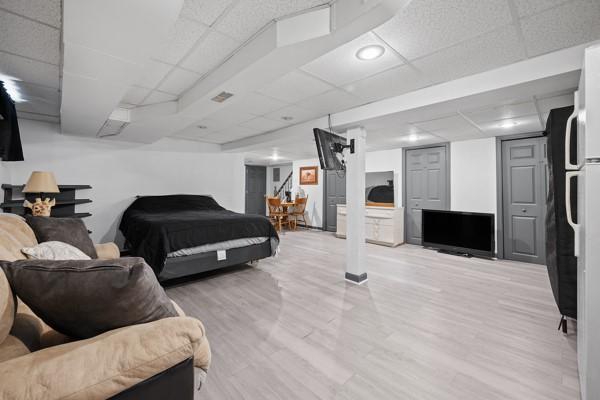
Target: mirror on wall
379,189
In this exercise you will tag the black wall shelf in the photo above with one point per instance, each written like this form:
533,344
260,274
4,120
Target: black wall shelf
65,200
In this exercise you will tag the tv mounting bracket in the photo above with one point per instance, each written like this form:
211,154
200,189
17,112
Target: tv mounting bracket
339,148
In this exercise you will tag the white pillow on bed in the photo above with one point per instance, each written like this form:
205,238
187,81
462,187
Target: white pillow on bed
54,251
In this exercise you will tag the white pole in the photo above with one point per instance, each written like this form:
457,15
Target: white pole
356,259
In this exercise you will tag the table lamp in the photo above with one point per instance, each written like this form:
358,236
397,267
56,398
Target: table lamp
41,182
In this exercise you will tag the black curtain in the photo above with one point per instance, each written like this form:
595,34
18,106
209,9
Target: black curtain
10,138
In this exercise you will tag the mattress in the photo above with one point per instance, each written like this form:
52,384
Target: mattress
225,245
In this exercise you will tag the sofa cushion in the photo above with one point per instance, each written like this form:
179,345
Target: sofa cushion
67,230
54,250
105,365
12,347
84,298
7,307
14,235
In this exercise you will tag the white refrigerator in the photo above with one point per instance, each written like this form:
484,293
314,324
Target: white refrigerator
587,225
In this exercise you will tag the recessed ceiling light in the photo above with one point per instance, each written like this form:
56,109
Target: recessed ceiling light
370,52
287,118
413,137
275,157
509,124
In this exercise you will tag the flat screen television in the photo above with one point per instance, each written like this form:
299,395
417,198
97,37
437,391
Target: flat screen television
459,232
329,147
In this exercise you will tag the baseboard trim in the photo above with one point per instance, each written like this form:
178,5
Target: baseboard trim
356,279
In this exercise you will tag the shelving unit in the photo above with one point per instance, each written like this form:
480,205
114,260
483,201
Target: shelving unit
65,200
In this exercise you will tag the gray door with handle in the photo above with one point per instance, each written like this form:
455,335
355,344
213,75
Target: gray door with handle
426,185
335,193
256,189
524,183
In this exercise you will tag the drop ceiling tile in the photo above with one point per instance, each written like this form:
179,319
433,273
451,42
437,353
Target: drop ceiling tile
294,87
205,11
341,66
210,52
529,7
194,132
249,16
257,104
182,37
513,126
331,102
135,95
393,82
127,106
27,38
549,103
264,124
494,113
564,26
454,123
231,134
226,118
425,26
298,114
153,73
486,52
178,81
30,71
47,11
158,97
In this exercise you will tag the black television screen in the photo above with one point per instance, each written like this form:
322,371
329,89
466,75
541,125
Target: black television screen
329,158
461,232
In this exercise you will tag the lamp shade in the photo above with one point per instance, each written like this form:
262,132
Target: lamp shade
41,182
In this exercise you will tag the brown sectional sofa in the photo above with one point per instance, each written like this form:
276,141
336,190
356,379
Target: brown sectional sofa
151,361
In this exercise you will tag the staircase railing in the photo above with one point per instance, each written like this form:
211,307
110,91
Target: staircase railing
286,186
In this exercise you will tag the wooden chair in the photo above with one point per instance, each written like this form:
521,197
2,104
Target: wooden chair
300,210
277,215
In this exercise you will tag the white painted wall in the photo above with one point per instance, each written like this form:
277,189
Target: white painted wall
387,160
119,171
473,176
314,206
285,170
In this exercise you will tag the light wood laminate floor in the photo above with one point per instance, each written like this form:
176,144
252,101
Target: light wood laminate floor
425,326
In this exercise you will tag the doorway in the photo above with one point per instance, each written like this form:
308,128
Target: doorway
524,190
426,186
256,189
334,193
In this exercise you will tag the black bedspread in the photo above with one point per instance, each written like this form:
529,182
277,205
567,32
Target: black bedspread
157,225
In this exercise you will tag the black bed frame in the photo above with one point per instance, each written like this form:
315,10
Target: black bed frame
178,267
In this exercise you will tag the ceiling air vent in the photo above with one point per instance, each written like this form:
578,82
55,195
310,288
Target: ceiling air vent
221,97
116,122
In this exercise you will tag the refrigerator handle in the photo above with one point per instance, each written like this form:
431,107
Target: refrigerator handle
576,227
568,164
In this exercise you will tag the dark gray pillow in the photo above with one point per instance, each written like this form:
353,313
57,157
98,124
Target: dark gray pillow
84,298
66,230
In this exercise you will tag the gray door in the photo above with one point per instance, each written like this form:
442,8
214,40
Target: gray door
524,199
256,189
335,193
426,185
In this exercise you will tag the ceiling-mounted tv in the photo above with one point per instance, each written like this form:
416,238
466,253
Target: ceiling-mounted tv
330,147
465,233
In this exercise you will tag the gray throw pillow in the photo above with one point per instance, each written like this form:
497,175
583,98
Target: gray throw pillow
84,298
67,230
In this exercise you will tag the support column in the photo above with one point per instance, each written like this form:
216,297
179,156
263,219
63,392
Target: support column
356,258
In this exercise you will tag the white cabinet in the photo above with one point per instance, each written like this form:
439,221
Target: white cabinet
383,225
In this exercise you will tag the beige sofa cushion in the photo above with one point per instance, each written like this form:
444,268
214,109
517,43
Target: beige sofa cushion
103,366
7,307
11,348
14,235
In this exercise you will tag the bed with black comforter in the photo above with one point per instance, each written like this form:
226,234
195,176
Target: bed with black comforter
156,226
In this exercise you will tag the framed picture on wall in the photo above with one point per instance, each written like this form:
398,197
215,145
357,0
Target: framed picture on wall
309,175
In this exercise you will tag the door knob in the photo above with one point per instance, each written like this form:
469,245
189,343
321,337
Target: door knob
524,210
417,205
